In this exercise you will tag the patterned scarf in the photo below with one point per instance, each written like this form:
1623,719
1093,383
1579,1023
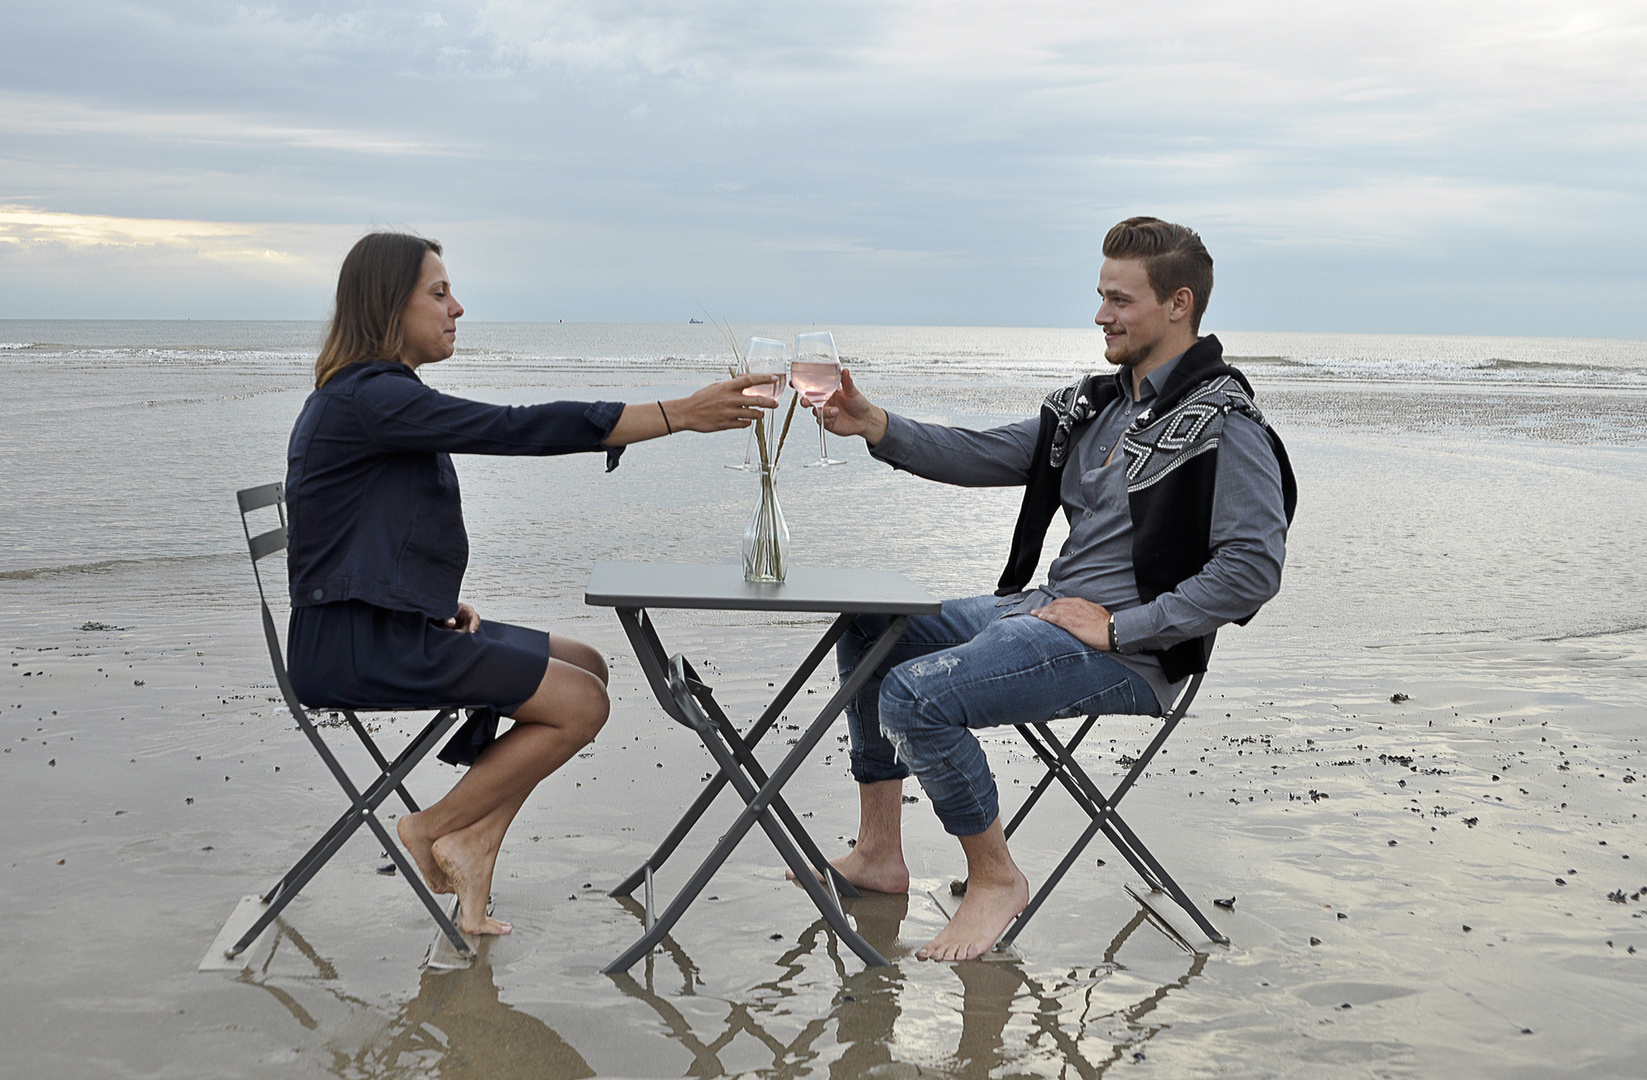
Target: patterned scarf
1075,404
1156,445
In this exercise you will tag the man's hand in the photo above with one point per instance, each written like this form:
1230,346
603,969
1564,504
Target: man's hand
1089,622
848,412
467,619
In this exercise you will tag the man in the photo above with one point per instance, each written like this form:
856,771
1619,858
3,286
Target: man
1178,496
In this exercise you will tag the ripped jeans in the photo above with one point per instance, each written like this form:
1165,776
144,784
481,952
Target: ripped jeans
971,666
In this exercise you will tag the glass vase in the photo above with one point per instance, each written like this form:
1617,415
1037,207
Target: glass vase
766,538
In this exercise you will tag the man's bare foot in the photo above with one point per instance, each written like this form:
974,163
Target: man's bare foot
419,844
468,863
985,912
876,875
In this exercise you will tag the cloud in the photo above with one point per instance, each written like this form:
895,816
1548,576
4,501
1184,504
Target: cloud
284,250
39,115
947,159
708,40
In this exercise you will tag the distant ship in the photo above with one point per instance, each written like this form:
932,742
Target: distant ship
694,322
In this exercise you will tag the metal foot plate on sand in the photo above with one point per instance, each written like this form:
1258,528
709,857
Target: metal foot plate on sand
240,921
1146,900
443,955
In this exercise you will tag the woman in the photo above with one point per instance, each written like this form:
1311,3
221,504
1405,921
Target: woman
378,549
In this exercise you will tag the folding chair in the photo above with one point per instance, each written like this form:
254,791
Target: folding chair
363,802
1059,758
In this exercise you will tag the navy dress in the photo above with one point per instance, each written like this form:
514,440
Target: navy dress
377,546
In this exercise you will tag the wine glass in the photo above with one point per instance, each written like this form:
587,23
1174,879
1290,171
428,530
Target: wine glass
815,373
762,356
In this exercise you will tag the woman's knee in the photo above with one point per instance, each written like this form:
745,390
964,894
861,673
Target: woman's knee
570,698
578,654
592,709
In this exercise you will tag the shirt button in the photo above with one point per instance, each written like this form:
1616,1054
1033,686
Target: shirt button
317,594
1089,513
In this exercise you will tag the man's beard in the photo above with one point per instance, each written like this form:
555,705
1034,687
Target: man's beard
1129,354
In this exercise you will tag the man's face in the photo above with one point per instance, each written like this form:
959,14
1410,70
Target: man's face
1134,321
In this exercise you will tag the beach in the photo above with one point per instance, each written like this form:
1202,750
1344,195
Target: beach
1418,772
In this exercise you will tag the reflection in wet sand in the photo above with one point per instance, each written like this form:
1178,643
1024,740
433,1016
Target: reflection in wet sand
1072,1026
455,1028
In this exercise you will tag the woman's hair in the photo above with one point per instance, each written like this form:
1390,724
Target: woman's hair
379,275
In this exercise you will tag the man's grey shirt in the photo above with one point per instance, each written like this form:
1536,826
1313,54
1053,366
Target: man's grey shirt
1248,534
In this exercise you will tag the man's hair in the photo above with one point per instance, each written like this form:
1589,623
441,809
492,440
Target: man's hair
1173,256
379,275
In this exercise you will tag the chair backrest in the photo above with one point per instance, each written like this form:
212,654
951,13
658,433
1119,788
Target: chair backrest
260,546
1185,697
264,543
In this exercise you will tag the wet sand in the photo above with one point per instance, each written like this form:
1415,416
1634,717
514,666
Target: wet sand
1450,884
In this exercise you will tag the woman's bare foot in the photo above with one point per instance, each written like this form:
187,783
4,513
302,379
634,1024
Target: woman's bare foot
468,862
419,843
878,875
985,913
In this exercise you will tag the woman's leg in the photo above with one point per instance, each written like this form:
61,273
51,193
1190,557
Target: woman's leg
462,832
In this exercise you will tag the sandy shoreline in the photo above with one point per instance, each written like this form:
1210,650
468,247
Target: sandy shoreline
1460,806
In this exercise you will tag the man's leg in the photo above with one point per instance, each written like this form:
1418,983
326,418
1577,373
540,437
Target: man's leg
876,861
1016,670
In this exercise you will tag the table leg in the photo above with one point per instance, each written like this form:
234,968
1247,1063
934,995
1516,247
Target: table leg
654,660
758,802
743,753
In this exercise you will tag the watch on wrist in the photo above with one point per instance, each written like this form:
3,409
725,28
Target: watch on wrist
1114,645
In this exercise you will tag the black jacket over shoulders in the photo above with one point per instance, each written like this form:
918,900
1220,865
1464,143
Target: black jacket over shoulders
372,499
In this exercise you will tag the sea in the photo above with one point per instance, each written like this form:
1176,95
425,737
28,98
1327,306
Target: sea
123,443
1417,776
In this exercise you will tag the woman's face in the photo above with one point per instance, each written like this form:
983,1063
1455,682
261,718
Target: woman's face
429,320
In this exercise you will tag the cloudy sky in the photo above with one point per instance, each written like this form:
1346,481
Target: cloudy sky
1401,166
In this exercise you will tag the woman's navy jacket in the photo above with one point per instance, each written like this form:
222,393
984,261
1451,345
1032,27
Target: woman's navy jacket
372,498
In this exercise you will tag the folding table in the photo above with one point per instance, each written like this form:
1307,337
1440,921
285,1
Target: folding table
632,588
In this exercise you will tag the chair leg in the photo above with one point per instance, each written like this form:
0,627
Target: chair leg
377,755
1061,765
362,809
292,884
1051,882
1125,840
415,880
1051,774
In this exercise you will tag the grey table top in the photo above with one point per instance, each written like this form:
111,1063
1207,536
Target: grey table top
722,588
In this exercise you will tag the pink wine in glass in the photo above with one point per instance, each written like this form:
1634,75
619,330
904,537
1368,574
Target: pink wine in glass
815,380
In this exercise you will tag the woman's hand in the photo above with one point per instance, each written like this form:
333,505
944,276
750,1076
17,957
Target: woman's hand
467,619
716,407
848,412
1089,622
720,406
